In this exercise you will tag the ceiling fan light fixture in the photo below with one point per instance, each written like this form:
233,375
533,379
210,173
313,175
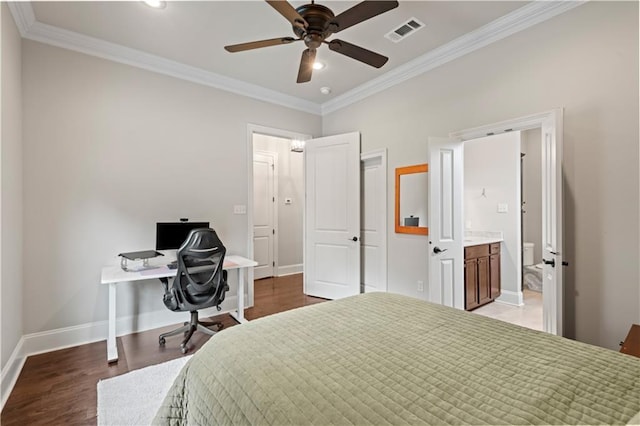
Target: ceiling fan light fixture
156,4
314,23
317,65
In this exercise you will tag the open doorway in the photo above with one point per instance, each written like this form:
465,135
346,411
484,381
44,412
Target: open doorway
275,211
497,185
268,146
278,207
446,222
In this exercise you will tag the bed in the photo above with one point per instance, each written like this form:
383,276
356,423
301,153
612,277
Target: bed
381,358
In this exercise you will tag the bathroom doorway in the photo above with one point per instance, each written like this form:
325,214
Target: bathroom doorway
551,125
502,182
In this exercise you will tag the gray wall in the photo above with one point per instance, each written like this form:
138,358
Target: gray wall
11,187
110,150
585,60
290,185
532,190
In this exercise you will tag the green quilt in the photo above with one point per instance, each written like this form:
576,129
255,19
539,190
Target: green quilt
387,359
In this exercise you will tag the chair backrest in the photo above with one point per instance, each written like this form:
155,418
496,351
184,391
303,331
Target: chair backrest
200,281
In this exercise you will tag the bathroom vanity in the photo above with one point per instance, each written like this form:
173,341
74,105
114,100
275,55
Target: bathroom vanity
481,272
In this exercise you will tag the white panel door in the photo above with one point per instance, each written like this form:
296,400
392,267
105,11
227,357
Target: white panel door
263,220
332,216
446,232
552,255
373,231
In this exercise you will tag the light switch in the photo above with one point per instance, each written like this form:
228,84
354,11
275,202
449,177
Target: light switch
288,201
240,209
503,208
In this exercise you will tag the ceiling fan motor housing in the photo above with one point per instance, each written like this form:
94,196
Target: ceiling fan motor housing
319,19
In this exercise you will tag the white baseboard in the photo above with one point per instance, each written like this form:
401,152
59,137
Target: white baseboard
61,338
11,371
514,298
289,270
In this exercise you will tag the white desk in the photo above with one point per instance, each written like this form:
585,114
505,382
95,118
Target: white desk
112,275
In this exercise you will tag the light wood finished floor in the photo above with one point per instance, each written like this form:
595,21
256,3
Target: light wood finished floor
59,388
529,315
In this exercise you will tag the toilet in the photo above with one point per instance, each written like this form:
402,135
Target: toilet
531,274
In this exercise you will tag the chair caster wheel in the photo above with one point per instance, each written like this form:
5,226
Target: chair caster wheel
184,349
161,341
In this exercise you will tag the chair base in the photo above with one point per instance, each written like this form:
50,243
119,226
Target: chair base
189,328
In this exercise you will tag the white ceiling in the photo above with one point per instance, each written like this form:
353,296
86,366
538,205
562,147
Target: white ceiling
194,34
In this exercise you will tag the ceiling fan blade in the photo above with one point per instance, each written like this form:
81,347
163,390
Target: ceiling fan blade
285,9
361,12
306,65
358,53
258,44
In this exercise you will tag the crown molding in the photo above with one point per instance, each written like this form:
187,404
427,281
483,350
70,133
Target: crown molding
516,21
66,39
23,16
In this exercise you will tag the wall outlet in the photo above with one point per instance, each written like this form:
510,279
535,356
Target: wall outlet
240,209
503,208
420,285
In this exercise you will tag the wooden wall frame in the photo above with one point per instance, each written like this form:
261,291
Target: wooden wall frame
400,229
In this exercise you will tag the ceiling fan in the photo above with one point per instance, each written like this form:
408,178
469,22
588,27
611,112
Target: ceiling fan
314,23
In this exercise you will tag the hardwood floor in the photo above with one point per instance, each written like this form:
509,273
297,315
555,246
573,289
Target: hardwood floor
59,388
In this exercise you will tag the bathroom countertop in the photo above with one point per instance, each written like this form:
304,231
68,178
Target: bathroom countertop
477,241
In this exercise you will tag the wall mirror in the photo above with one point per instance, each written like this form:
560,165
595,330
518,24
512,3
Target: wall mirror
411,200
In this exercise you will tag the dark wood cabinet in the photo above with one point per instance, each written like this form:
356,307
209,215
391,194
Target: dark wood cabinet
481,274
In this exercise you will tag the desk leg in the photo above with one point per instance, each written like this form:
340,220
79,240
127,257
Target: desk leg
239,314
112,347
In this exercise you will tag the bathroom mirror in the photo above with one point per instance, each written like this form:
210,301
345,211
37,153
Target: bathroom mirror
411,200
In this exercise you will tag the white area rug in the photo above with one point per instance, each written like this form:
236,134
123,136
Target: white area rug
134,398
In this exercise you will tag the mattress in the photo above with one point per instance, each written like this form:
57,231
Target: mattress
388,359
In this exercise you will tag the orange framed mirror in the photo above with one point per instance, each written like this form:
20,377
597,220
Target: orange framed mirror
411,200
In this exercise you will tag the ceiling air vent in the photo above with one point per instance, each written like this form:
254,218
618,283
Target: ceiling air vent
404,30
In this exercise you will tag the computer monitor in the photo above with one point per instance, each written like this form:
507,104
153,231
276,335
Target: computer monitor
171,235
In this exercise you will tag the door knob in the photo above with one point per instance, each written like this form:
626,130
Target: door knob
353,239
551,262
438,250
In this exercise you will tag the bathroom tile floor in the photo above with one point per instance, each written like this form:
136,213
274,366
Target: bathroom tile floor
529,315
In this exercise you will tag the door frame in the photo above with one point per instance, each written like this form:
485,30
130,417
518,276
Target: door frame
382,155
268,131
274,207
553,321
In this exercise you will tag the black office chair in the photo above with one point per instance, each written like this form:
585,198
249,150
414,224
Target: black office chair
200,282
